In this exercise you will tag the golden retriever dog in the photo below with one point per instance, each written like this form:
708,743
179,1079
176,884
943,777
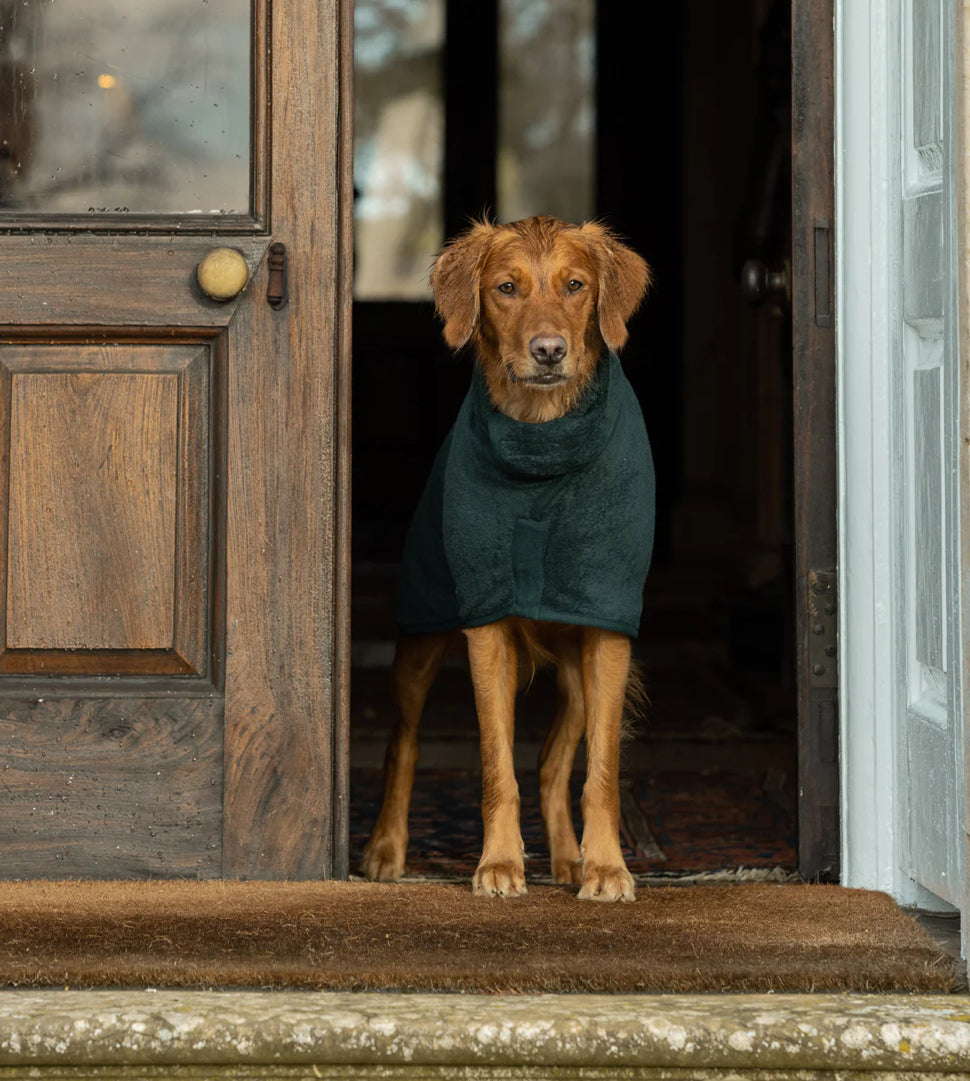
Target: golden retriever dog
532,541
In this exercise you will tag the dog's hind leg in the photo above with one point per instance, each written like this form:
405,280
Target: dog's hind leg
492,655
417,661
556,765
606,668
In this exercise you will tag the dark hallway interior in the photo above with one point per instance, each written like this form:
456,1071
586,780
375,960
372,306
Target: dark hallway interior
671,122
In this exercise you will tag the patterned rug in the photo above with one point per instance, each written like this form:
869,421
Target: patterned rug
700,821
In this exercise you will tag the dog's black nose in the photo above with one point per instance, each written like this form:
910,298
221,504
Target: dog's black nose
548,349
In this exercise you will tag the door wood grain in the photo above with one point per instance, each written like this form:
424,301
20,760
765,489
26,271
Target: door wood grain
101,788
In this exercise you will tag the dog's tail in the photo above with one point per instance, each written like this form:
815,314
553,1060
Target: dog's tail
636,701
533,651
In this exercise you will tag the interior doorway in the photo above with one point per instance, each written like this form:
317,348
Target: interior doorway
672,122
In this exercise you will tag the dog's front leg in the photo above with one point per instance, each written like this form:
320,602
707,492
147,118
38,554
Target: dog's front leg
606,668
493,660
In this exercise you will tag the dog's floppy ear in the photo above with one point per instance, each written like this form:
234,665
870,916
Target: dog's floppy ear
624,277
455,280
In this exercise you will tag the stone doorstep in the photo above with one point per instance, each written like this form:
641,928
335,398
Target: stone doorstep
439,1035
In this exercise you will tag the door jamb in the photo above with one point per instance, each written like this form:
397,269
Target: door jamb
343,387
962,190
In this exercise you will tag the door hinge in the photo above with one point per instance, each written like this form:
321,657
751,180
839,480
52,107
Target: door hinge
823,629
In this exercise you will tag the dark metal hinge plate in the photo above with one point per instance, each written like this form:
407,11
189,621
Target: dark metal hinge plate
823,626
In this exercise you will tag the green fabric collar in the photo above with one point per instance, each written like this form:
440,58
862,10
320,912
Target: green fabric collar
557,447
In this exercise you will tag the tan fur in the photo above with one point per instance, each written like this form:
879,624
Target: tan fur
583,284
539,256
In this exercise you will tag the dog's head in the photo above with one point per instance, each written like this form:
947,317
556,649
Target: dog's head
538,299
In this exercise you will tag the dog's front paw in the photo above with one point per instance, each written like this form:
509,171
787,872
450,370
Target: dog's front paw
607,884
383,860
503,878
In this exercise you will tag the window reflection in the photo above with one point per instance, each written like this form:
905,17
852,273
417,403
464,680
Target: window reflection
546,109
544,160
129,106
399,116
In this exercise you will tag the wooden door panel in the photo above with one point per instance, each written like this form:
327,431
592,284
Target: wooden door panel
117,281
111,536
92,511
95,788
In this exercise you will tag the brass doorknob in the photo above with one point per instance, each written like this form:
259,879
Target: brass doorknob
223,273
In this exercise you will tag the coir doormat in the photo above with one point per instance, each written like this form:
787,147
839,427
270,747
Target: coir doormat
439,937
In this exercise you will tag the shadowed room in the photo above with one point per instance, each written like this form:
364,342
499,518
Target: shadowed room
672,125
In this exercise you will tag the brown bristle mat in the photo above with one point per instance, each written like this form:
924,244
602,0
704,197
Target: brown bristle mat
437,936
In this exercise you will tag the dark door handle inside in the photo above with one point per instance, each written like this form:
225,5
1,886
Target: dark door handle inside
760,283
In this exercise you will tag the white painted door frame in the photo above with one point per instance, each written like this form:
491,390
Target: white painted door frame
871,442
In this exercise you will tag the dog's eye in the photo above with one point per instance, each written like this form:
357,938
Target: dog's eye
574,285
508,288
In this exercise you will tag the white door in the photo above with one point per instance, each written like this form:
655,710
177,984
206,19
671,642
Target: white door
900,407
926,494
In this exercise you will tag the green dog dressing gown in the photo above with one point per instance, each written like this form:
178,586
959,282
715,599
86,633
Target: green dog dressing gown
548,521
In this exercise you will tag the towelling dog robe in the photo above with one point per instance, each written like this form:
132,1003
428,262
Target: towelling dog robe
548,521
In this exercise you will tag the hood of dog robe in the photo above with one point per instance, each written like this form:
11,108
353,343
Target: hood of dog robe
548,521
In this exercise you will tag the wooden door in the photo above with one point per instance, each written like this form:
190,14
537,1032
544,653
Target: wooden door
172,478
816,493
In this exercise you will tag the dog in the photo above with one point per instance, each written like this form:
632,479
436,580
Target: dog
532,541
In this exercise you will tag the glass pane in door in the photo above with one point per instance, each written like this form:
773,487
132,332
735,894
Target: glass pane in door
125,106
